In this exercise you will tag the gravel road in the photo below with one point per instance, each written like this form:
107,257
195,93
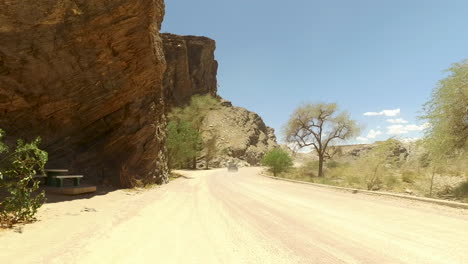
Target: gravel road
220,217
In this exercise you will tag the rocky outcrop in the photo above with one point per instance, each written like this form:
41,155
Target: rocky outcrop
354,151
242,136
191,67
344,152
87,76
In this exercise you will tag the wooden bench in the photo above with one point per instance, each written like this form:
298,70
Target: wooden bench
59,179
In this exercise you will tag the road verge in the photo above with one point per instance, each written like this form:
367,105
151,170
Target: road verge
403,196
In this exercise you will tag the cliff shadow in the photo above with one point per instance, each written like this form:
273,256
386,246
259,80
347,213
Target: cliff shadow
57,197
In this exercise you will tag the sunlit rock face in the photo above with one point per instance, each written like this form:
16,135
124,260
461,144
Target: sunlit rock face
191,67
87,77
243,137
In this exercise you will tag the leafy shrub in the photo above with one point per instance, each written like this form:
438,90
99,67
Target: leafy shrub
277,160
17,169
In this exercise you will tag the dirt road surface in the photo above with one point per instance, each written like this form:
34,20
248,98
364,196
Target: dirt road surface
220,217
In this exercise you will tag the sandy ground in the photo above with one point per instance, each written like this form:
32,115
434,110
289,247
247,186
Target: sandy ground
220,217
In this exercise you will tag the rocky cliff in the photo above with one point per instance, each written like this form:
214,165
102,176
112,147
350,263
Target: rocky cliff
94,80
191,67
242,136
87,76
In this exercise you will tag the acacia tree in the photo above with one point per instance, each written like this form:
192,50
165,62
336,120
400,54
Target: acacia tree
319,126
447,111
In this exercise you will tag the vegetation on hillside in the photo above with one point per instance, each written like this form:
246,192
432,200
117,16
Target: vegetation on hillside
183,142
185,139
377,165
19,196
438,169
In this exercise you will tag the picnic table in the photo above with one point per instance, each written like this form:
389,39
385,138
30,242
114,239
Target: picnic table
55,177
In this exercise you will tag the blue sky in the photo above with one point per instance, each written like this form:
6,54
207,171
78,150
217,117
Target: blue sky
380,57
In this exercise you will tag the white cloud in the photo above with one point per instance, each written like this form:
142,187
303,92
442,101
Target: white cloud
397,121
396,130
417,128
373,133
391,112
404,129
409,139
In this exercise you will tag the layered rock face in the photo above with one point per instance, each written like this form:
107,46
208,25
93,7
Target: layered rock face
242,136
191,70
87,77
191,67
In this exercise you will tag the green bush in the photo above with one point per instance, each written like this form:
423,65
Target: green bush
17,169
277,160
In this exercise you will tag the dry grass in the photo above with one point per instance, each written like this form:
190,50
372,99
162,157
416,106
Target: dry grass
402,179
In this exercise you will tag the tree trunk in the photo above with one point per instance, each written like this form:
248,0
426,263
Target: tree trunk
194,163
207,162
432,181
320,172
